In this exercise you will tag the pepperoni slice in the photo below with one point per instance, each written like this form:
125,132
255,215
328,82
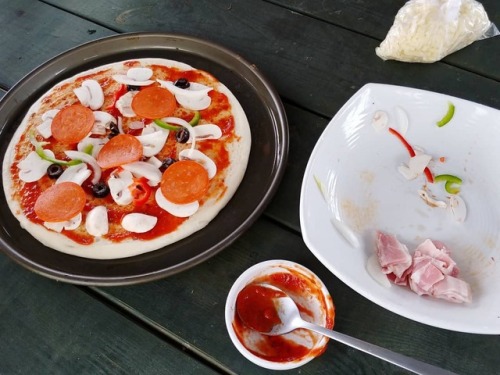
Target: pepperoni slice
60,202
71,124
154,102
184,182
121,149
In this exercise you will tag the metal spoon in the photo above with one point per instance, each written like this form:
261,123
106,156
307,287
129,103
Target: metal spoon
289,315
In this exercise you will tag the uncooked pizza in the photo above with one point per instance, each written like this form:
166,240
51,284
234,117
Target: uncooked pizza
126,158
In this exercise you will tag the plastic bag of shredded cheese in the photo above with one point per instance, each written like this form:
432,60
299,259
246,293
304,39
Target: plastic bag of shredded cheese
428,30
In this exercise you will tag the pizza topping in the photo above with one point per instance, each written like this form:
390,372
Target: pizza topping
60,202
200,158
183,123
146,170
196,118
44,129
183,83
100,189
54,170
75,173
179,210
70,224
140,191
78,155
154,102
103,120
124,104
135,77
152,140
33,167
114,129
91,146
206,131
167,162
182,135
195,97
184,182
116,96
90,94
96,223
71,124
162,124
126,137
136,125
122,149
119,182
138,223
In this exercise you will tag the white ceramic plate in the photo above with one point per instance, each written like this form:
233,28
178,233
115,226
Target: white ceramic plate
358,166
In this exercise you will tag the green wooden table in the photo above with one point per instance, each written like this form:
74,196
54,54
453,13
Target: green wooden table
317,54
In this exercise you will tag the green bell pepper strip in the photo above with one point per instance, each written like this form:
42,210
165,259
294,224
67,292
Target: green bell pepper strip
88,150
193,122
448,116
196,118
41,152
164,125
452,183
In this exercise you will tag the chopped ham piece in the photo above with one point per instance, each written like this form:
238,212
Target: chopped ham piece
452,289
394,258
430,271
423,276
439,255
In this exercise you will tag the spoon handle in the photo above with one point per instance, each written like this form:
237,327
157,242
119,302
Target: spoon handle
397,359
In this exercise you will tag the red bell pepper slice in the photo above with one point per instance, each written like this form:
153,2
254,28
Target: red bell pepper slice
140,191
411,151
117,95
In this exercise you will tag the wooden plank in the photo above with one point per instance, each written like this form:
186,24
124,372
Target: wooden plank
54,328
42,32
191,305
321,77
305,129
374,18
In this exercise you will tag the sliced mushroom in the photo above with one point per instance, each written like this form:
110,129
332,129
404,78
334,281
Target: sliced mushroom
144,169
102,122
33,167
119,182
44,129
71,224
431,201
75,173
200,157
135,77
96,222
90,94
179,210
195,97
206,131
124,104
139,223
152,140
139,74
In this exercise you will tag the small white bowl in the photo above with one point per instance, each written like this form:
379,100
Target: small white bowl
316,306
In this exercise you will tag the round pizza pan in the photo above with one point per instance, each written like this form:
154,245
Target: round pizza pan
265,169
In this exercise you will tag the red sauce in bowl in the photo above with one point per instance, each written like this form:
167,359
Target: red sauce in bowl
255,307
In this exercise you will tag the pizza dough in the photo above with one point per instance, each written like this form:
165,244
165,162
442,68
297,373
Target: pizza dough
124,223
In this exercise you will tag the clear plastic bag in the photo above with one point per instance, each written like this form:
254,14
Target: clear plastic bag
428,30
